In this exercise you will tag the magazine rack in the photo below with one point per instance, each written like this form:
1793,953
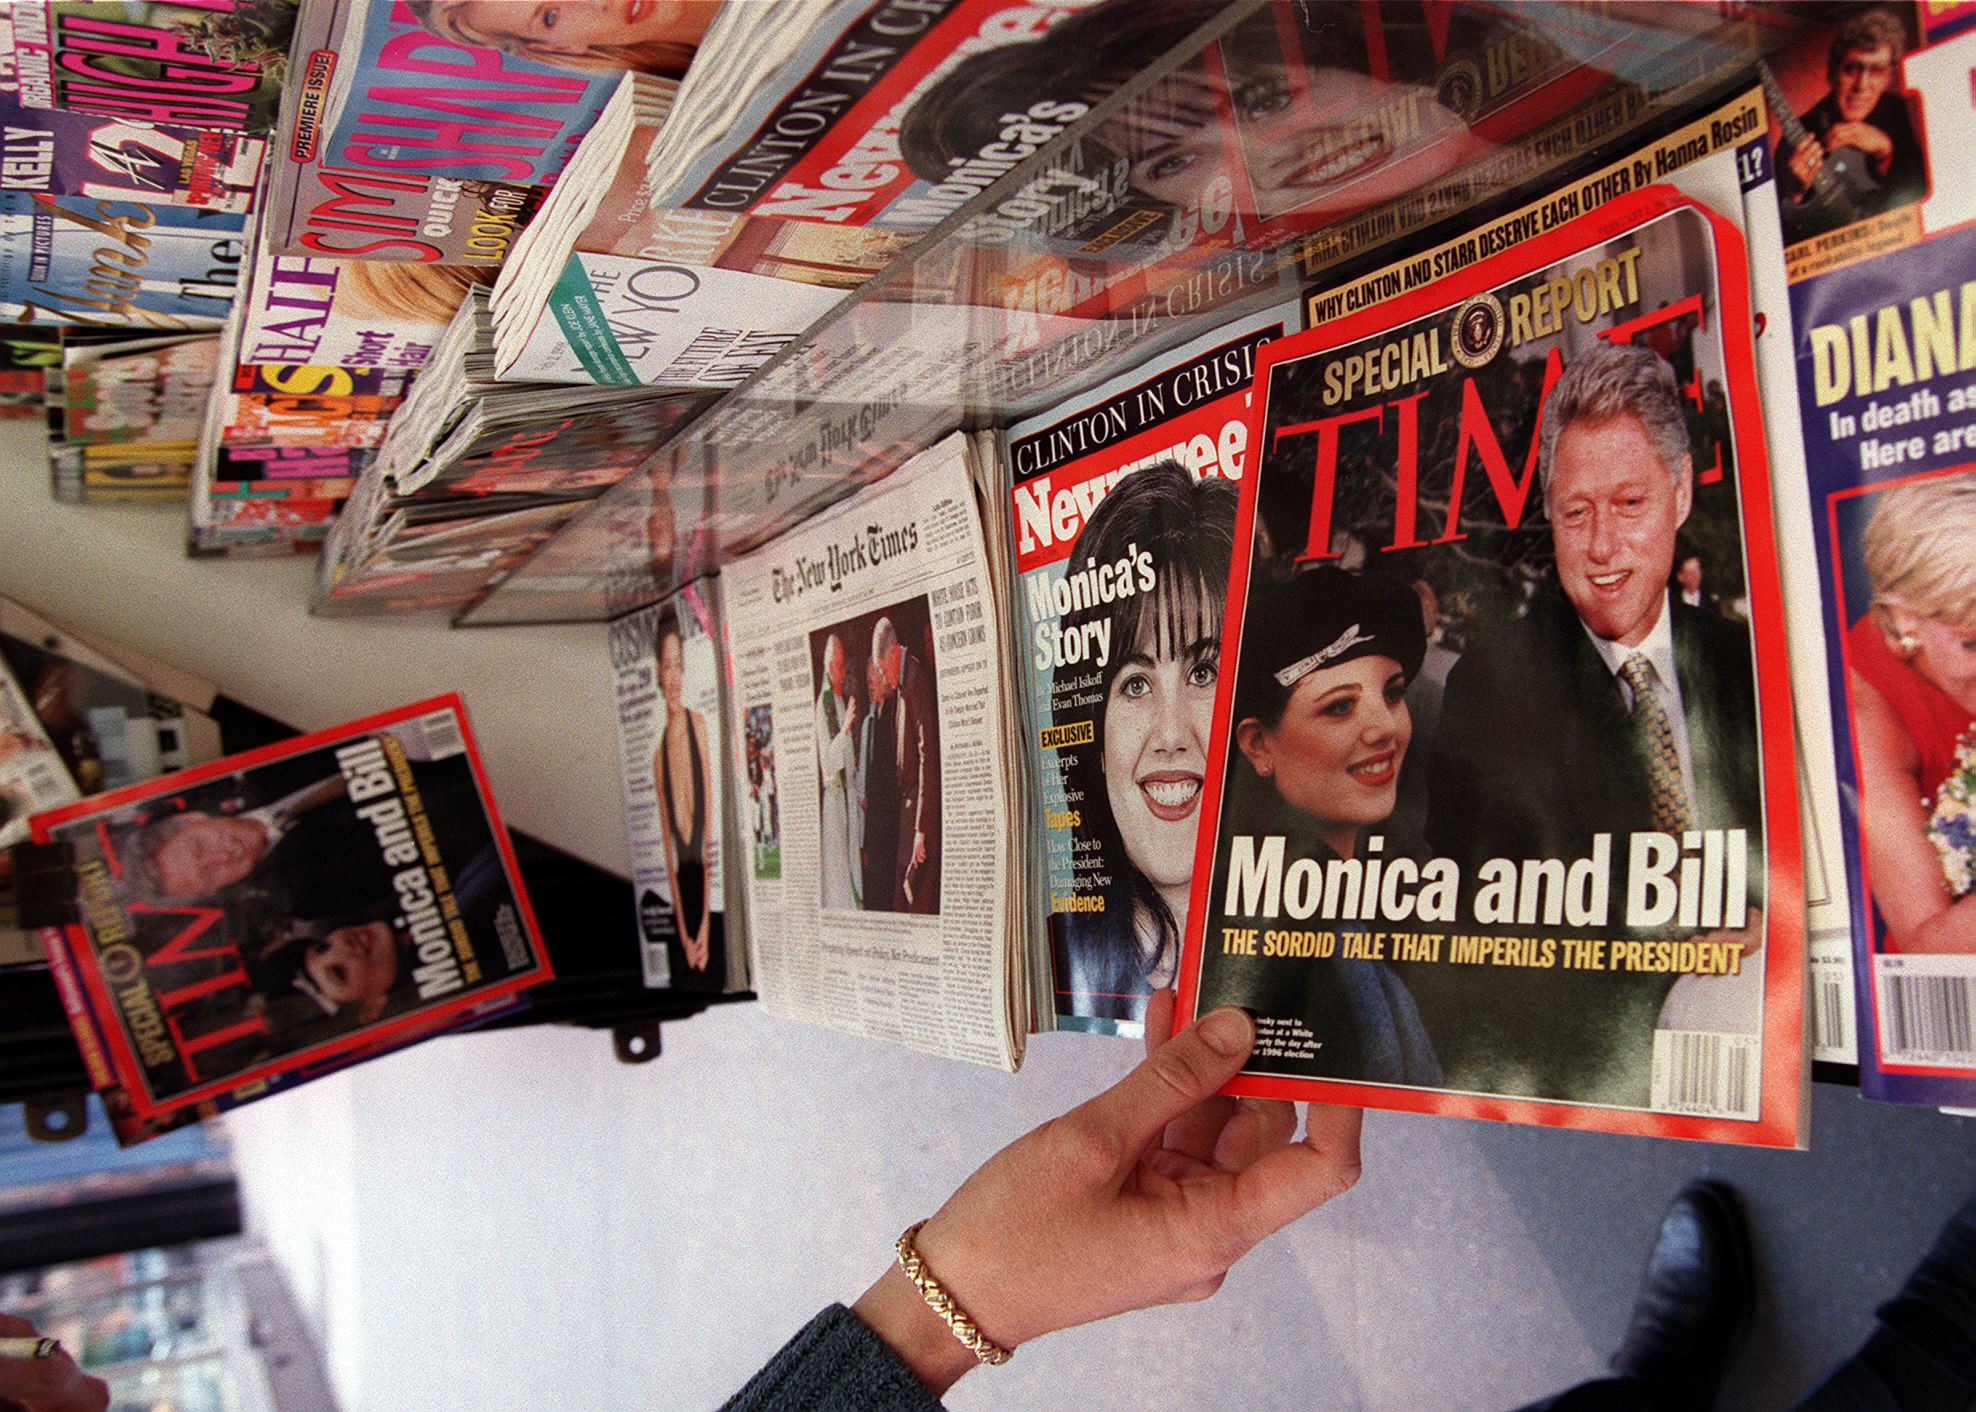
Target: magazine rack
986,319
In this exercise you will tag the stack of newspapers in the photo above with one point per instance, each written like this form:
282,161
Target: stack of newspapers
473,473
609,285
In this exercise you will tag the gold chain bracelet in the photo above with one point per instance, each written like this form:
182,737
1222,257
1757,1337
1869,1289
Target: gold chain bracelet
942,1303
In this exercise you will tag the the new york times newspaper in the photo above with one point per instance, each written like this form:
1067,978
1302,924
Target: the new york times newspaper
865,647
254,917
1509,543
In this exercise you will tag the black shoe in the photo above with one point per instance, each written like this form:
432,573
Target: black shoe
1695,1300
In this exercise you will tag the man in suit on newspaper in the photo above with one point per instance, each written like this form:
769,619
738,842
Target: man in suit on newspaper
1608,708
837,758
902,782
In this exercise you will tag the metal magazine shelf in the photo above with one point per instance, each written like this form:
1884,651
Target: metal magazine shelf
1171,206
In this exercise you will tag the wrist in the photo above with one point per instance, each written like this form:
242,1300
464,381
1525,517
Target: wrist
894,1310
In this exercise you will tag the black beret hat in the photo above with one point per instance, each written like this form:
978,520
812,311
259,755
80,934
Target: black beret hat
1324,617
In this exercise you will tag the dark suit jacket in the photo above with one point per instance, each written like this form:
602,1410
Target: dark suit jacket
919,789
328,862
1535,755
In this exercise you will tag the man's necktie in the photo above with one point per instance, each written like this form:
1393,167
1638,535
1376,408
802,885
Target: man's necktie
1653,733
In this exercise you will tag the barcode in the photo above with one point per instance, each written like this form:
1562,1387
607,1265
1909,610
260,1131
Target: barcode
1928,1019
1712,1075
1829,1016
442,735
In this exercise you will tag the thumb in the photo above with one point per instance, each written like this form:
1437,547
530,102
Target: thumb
1182,1072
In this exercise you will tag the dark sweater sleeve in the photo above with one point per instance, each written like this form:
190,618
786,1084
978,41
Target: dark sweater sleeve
834,1364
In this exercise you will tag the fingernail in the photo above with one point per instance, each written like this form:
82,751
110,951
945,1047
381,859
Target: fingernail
1227,1030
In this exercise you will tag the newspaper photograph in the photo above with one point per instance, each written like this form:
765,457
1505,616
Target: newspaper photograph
870,711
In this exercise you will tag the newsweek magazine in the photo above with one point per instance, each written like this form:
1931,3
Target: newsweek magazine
1487,482
1884,321
817,138
429,133
667,662
1123,521
293,905
189,63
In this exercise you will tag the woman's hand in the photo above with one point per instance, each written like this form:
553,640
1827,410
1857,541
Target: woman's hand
1144,1195
51,1384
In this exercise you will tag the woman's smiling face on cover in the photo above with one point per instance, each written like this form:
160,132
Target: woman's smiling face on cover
1158,715
1337,750
545,29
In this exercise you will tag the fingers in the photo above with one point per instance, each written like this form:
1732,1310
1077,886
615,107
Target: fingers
1159,1019
1196,1131
1257,1128
1301,1177
1179,1074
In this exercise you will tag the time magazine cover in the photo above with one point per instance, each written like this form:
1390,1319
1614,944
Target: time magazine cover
254,916
1509,538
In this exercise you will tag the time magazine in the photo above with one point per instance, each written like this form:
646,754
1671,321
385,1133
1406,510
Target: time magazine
269,912
1509,545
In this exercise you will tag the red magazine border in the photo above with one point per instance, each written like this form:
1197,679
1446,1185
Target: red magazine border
70,951
1782,1082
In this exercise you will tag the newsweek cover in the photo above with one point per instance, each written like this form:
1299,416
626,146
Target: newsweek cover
1884,320
78,260
1123,513
427,132
819,138
191,63
273,910
1485,483
667,664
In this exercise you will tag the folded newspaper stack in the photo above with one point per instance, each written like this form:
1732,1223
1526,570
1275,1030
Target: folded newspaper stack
473,473
608,286
869,718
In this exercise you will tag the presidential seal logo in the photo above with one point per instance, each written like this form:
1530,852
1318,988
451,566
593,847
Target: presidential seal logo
1478,331
1458,87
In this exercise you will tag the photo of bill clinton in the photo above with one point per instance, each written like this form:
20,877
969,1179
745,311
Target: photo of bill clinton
878,761
1606,706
